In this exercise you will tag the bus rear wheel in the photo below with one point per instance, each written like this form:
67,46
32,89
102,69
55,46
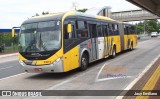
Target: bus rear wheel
84,62
114,52
131,48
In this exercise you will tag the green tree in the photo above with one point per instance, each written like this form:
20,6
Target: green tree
152,26
140,28
44,13
82,10
148,26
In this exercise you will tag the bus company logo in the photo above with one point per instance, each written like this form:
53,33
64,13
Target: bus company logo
6,93
36,54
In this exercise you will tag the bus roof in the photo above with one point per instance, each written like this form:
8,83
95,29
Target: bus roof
44,18
59,16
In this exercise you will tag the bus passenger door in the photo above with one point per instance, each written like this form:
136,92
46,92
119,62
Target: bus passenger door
101,42
122,38
127,40
106,44
93,33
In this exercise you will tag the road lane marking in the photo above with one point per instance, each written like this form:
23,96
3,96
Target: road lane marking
112,78
12,76
59,84
121,57
151,83
124,56
7,55
139,76
153,79
6,68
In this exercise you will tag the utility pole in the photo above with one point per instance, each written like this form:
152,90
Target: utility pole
75,4
144,27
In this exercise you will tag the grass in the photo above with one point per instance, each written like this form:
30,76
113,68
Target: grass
14,48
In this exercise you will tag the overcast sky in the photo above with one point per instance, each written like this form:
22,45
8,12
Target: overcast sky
14,12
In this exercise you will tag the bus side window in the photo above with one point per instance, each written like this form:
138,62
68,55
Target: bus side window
69,38
116,29
113,29
133,31
105,30
69,35
125,30
81,29
110,30
129,30
99,29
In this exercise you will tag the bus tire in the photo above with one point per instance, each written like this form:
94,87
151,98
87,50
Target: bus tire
131,48
114,52
84,62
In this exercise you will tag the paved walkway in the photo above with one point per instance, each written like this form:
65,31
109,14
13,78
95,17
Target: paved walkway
149,85
7,55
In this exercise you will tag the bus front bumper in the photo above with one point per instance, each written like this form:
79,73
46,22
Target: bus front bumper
56,67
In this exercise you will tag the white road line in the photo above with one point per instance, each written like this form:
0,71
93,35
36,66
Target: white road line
121,57
111,78
7,55
71,79
12,76
59,84
96,80
2,62
66,81
6,67
103,79
139,76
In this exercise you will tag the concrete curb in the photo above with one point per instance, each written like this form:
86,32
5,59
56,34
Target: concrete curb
7,55
139,76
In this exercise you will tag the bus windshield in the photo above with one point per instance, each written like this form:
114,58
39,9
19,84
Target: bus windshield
39,37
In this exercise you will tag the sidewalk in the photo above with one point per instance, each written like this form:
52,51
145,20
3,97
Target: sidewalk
7,55
150,82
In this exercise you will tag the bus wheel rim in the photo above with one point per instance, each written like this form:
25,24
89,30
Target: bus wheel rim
114,53
84,61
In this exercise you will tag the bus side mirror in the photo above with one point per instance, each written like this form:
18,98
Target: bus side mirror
13,32
69,28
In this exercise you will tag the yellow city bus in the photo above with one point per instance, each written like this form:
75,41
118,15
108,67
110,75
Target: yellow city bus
66,41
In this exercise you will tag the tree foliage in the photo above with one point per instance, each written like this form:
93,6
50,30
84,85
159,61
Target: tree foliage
82,10
43,13
148,26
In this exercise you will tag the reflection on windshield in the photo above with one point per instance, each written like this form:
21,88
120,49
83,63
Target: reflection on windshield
42,36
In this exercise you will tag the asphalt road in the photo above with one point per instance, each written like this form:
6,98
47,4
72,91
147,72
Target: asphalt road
106,74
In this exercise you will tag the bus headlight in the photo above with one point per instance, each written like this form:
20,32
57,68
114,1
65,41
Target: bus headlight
56,61
21,62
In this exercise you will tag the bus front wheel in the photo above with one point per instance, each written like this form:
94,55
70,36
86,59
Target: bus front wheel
131,48
84,62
